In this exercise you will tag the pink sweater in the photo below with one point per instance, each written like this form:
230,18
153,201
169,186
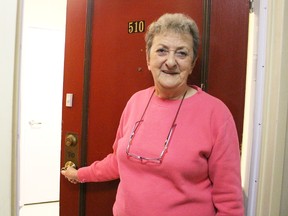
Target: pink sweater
200,173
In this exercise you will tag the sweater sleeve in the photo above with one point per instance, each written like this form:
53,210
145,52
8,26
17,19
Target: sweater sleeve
106,169
224,170
99,171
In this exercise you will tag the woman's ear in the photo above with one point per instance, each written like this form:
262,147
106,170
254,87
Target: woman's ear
193,65
148,61
194,62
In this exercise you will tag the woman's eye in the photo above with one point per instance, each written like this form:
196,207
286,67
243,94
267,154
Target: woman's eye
162,51
181,54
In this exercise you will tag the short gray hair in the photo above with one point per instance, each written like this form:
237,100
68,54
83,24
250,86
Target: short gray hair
177,22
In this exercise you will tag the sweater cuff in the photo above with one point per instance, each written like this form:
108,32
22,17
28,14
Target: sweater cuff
82,174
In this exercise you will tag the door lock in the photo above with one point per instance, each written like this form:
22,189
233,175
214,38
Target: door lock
71,149
70,140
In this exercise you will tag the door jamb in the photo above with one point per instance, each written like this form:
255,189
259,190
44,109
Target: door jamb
85,102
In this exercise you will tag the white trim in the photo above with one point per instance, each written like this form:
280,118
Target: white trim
261,18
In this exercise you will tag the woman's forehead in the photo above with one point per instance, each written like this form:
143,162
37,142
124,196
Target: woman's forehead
171,38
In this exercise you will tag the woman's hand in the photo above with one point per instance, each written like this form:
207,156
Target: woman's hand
71,174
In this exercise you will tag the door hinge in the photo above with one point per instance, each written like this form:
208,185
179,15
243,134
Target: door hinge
251,6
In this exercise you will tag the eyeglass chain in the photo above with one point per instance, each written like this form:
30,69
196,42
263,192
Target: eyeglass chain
173,123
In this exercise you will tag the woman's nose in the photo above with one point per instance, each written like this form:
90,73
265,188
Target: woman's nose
171,61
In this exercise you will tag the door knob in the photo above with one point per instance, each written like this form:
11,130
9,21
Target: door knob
69,164
70,140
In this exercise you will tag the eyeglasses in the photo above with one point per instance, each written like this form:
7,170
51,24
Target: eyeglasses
166,143
138,157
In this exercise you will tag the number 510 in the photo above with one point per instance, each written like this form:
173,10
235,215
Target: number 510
136,27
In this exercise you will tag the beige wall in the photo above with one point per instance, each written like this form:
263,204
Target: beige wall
274,137
8,76
38,13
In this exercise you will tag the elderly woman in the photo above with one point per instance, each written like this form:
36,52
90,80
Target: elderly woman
176,150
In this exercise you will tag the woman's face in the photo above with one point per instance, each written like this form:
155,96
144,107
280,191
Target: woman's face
171,61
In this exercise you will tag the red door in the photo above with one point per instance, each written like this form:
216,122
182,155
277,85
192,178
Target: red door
105,64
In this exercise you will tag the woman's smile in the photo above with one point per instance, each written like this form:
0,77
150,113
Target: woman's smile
170,72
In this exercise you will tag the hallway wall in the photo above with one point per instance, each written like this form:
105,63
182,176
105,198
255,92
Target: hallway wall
8,91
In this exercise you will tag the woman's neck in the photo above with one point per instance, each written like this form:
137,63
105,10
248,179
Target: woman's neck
171,94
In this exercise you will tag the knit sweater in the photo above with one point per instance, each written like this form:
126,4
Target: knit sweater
200,172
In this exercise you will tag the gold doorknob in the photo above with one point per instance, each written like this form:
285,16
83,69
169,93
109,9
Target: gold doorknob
70,140
69,164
